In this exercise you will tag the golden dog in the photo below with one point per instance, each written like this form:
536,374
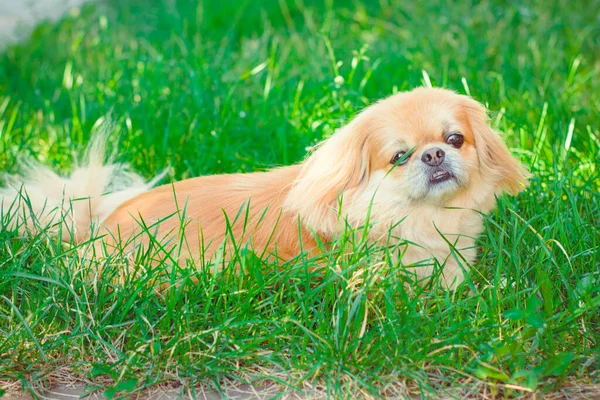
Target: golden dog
423,163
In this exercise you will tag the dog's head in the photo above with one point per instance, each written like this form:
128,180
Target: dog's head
427,146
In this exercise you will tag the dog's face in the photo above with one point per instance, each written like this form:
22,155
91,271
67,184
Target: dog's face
422,148
427,146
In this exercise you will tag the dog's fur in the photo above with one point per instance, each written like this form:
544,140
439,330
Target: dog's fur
286,208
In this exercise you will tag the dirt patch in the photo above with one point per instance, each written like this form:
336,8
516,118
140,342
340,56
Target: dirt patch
19,17
239,392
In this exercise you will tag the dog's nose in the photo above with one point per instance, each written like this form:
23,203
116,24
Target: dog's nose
433,157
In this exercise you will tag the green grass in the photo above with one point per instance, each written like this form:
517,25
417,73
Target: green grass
245,87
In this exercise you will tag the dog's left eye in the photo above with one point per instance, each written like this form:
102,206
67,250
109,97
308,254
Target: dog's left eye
456,140
399,156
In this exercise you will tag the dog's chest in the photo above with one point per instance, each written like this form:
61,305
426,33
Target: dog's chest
436,231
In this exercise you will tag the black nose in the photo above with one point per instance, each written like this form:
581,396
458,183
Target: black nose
433,157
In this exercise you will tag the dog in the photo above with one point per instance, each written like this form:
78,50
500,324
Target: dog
421,166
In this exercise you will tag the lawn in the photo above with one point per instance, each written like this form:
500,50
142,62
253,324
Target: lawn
238,86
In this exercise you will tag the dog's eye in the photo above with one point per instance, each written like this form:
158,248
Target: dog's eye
456,140
399,156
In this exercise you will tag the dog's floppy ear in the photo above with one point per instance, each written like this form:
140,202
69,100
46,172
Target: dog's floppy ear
496,161
338,167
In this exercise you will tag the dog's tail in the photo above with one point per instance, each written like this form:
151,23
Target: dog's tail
39,198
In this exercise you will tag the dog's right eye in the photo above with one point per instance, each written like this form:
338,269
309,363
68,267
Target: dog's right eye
400,158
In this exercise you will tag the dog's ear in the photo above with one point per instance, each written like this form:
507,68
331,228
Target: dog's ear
330,176
496,161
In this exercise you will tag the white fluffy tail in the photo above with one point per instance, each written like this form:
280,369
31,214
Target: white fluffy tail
38,198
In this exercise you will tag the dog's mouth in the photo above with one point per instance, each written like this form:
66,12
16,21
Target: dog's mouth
439,176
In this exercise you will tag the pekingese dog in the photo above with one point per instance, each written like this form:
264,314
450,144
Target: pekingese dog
424,164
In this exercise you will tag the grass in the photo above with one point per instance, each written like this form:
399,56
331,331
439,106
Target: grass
246,86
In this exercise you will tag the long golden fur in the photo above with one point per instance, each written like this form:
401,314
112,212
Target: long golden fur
441,188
